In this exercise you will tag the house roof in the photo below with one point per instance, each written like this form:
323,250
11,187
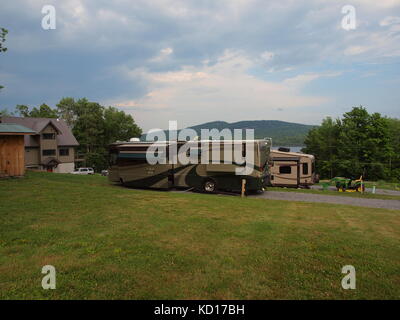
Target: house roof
64,138
10,128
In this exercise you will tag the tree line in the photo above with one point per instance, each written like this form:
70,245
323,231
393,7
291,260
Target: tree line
357,144
93,125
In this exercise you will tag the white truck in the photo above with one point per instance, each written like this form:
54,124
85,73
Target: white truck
83,171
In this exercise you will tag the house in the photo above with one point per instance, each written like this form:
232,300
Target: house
12,153
51,147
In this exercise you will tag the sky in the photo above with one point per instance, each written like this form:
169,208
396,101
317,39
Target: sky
199,61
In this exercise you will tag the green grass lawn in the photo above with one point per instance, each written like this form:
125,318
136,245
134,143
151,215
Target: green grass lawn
383,185
365,195
112,242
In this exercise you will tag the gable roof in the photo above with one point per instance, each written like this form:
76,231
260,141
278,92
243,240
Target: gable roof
64,138
10,128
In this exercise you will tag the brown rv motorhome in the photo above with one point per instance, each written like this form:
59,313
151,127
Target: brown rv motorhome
129,165
292,169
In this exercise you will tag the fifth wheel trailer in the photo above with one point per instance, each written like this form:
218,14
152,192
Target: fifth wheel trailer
292,169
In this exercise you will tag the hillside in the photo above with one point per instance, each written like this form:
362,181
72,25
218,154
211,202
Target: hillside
282,133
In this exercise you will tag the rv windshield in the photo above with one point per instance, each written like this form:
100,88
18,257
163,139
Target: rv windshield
264,155
113,158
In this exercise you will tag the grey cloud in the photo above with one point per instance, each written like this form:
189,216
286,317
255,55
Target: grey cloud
82,57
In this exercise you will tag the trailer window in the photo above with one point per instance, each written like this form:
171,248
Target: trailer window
285,169
305,168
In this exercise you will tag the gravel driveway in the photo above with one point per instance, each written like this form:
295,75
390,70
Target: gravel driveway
351,201
377,191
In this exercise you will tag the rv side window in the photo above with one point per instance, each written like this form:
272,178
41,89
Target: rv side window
305,168
244,150
285,169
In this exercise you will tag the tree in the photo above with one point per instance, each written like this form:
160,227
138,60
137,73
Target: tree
44,111
5,113
95,127
364,144
3,33
67,110
323,142
394,157
22,110
358,144
119,126
89,126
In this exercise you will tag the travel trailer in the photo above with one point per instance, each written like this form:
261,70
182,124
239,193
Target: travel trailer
129,165
291,169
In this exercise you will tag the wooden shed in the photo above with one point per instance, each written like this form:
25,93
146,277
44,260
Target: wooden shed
12,149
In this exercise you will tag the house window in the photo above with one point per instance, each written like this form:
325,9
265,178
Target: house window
305,168
49,152
49,136
64,152
285,169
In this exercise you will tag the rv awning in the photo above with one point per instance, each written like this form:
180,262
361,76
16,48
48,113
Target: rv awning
286,158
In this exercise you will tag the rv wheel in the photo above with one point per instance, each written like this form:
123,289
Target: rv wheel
209,186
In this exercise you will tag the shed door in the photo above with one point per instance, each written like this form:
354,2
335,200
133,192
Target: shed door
12,155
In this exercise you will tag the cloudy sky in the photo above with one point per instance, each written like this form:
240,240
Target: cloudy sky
197,61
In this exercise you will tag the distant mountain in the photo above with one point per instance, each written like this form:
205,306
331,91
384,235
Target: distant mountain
282,133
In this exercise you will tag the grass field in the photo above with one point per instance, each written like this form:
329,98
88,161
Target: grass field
111,242
365,195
